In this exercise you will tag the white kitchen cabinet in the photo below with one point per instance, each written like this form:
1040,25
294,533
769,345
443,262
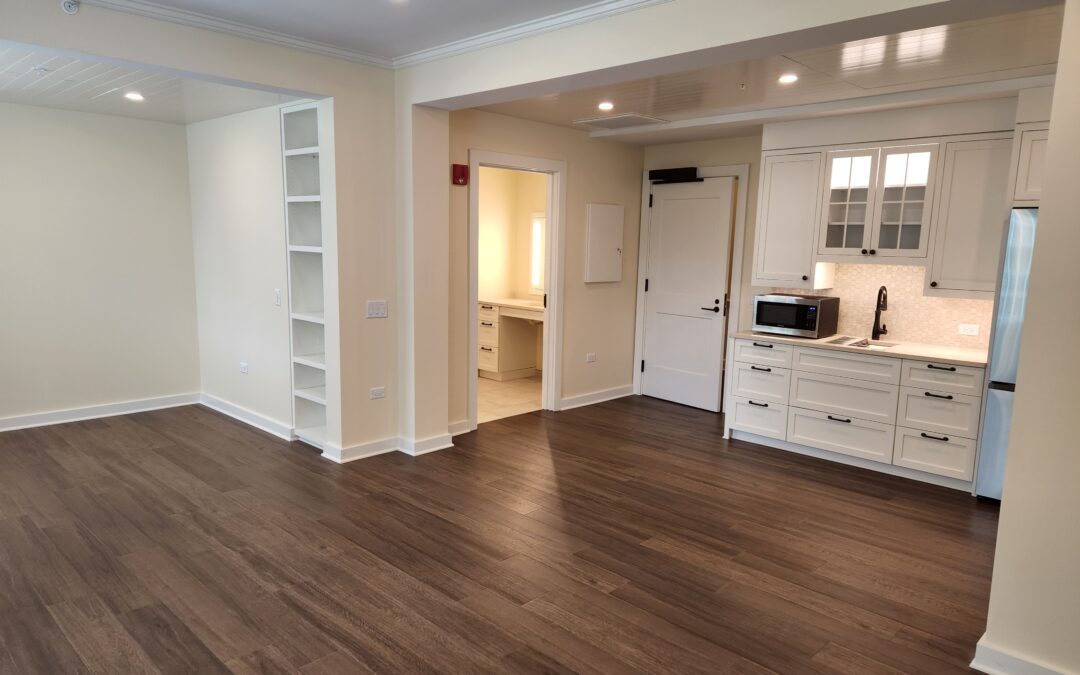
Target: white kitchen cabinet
843,434
758,417
970,217
787,214
940,454
844,396
845,364
1029,168
760,383
850,185
939,411
763,353
942,376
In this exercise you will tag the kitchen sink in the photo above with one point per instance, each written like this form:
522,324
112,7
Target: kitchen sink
864,343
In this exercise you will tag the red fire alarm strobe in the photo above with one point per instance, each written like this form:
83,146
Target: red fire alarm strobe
459,174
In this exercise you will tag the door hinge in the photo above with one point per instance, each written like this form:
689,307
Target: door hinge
650,201
646,285
643,365
727,304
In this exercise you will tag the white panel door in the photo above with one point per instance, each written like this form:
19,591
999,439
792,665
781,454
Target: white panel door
687,272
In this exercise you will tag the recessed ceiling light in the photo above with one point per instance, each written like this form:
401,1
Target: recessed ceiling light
606,106
134,96
788,78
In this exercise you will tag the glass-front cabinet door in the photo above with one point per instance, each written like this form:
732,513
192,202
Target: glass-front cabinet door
849,197
904,190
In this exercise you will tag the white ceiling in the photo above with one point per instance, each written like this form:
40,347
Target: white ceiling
44,78
378,31
1017,45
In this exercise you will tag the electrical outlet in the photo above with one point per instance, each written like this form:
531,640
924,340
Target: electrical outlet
243,368
277,297
971,329
377,392
590,358
377,309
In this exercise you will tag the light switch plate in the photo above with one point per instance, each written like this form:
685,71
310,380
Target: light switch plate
971,329
377,309
243,368
277,297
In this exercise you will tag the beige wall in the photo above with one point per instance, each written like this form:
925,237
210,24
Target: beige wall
508,199
238,226
720,152
1035,597
598,317
96,272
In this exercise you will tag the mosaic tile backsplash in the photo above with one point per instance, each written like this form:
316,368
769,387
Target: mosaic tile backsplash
911,317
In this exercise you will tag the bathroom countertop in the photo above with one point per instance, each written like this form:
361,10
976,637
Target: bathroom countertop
958,356
521,303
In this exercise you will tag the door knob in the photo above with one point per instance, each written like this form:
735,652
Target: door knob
712,309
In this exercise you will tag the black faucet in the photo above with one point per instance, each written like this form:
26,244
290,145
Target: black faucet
882,305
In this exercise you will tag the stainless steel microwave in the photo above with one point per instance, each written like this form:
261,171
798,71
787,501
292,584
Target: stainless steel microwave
809,316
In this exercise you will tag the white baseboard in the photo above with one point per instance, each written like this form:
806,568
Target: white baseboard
248,417
361,450
996,661
460,427
595,397
426,445
96,411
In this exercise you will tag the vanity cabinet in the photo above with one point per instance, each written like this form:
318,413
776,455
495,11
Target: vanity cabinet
788,206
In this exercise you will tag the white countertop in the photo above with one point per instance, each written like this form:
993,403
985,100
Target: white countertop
958,356
520,303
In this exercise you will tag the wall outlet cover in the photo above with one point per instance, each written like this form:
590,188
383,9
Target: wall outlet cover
969,329
243,368
590,358
277,297
377,392
377,309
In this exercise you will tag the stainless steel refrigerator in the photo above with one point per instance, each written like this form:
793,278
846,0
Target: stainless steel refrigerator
1005,351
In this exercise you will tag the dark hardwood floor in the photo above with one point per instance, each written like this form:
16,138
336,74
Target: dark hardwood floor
622,537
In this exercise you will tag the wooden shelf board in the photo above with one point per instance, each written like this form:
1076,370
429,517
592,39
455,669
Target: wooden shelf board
313,394
311,360
310,317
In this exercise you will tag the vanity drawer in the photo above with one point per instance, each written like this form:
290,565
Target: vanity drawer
943,377
488,333
941,454
859,366
761,383
844,396
763,353
488,358
952,414
488,312
845,435
759,417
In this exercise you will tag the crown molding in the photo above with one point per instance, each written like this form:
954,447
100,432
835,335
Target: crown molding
573,17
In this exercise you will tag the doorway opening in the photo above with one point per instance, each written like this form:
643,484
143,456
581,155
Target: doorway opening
514,222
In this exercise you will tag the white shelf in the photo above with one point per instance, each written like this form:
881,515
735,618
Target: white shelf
310,317
313,150
305,249
313,394
303,198
313,436
311,360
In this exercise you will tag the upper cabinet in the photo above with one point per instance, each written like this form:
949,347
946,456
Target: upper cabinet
787,212
1031,142
878,202
970,217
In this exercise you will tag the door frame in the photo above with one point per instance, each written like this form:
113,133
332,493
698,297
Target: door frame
741,174
555,243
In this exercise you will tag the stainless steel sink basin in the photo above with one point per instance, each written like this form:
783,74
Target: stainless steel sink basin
864,343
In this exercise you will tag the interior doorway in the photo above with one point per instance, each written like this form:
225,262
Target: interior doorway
514,278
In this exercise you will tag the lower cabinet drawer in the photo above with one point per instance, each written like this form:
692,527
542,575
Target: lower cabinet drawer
844,396
488,312
758,417
488,358
941,411
764,353
760,382
952,456
488,333
838,433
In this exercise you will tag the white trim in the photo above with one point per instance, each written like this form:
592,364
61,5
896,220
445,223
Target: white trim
460,427
591,398
741,174
555,240
597,10
96,411
425,445
360,450
996,661
248,417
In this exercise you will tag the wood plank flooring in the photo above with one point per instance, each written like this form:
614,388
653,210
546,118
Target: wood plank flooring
625,537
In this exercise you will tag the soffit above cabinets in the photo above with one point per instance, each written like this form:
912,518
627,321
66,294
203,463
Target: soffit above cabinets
30,76
1018,45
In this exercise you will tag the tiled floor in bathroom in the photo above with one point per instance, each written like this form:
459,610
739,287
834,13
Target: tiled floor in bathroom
496,400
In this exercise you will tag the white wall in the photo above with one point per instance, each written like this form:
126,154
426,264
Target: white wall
508,199
1035,598
238,225
96,272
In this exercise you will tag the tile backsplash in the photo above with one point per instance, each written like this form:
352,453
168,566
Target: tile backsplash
911,317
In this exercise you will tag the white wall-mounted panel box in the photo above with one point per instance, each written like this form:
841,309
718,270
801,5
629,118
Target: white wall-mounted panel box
604,243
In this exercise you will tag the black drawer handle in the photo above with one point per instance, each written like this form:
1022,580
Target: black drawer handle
761,344
947,397
487,306
951,369
486,323
944,439
486,349
760,405
764,370
839,419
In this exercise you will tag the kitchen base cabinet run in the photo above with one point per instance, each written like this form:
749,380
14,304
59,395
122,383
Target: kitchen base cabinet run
869,417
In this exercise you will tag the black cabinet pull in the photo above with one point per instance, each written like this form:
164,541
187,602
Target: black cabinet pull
486,323
711,309
933,284
951,369
486,349
873,252
761,344
764,370
839,419
760,405
864,251
947,397
487,307
935,438
805,278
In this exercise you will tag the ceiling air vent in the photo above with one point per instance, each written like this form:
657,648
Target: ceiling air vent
619,121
